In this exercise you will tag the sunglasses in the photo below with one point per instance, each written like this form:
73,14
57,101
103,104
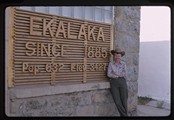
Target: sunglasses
118,52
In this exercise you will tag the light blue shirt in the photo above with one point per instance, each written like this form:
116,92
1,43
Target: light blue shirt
117,70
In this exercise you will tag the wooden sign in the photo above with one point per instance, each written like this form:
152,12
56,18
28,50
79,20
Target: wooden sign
52,49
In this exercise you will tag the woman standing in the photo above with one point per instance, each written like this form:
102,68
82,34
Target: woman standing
117,75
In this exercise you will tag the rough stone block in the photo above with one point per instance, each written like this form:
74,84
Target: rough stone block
36,103
128,59
84,99
132,87
85,111
135,59
132,12
132,103
118,12
131,59
64,100
13,107
17,107
130,27
118,38
130,44
106,110
103,97
132,73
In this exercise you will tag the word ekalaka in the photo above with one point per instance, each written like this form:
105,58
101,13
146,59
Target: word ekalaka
47,26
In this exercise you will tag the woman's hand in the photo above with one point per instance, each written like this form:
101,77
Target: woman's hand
115,76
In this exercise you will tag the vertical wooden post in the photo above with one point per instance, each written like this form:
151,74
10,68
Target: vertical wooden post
10,31
112,40
85,62
53,72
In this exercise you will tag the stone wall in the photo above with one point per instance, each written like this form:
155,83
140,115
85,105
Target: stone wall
88,103
89,99
127,31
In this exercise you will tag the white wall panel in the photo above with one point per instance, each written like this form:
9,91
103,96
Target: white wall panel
98,15
94,13
108,17
154,70
67,11
41,9
89,13
54,10
78,12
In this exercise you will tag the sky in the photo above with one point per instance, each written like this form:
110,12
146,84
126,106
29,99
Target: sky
155,23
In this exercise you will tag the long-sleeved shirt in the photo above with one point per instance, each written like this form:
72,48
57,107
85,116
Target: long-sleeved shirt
117,70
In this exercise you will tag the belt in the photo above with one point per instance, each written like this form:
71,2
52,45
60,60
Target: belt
117,77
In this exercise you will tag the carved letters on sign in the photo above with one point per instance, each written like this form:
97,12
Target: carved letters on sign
61,29
54,49
38,49
58,67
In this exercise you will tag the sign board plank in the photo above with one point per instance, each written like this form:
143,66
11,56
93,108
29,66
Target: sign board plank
54,49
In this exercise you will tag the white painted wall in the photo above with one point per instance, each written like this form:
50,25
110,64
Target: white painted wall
154,70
